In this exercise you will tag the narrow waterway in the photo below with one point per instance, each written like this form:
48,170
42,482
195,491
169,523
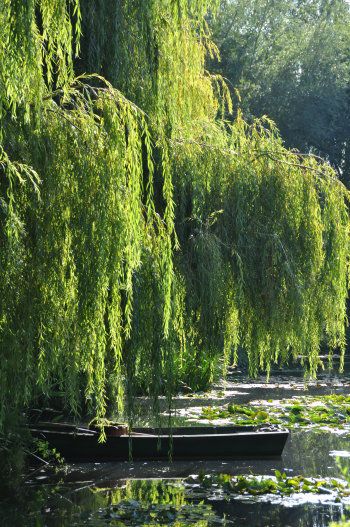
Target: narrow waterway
157,493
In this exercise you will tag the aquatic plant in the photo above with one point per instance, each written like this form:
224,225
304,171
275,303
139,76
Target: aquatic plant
344,469
307,411
280,483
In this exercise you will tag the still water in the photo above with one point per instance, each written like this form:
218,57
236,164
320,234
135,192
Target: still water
158,493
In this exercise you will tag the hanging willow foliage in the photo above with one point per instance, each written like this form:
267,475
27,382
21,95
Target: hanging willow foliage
266,260
141,247
35,37
79,245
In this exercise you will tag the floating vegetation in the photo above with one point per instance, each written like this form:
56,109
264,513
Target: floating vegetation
327,410
135,513
344,469
102,498
280,484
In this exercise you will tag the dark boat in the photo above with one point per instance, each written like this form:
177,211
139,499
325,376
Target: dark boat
203,442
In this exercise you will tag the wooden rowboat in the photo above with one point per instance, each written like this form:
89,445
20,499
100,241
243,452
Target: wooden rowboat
204,442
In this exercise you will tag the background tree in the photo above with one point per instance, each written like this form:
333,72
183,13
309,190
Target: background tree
290,60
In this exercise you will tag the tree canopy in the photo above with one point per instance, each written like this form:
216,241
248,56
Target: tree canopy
144,237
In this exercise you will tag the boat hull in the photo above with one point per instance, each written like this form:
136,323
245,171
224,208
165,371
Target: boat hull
234,445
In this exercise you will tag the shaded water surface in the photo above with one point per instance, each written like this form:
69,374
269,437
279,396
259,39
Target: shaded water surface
157,493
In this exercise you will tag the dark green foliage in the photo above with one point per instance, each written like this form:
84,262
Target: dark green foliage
290,61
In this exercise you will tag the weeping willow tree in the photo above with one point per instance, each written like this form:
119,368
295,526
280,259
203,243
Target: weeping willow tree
143,238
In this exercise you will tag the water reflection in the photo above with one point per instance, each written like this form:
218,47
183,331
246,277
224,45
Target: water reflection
265,515
134,502
309,452
145,502
110,495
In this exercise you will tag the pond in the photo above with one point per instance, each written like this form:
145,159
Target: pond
179,494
